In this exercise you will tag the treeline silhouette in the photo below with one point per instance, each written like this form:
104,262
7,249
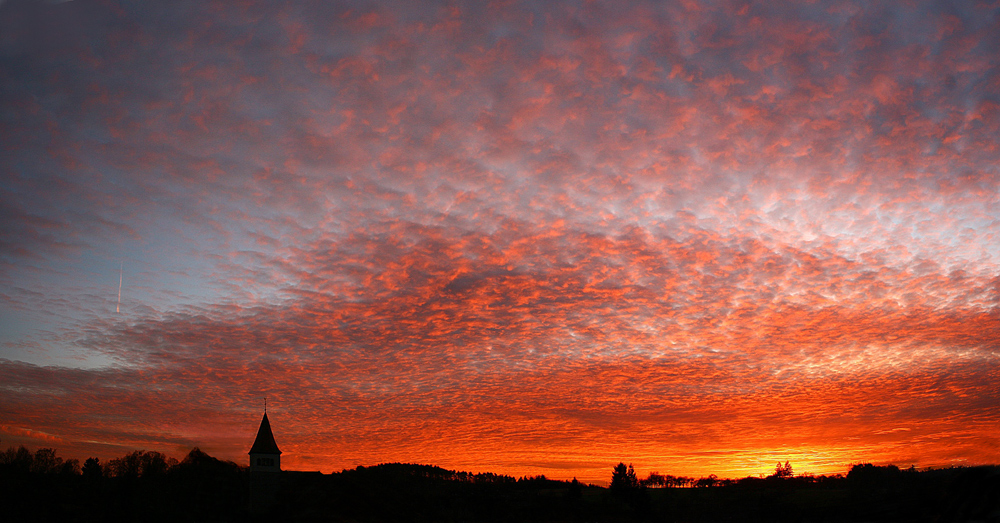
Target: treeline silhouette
148,486
140,486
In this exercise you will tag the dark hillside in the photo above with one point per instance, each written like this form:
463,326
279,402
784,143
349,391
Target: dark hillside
147,486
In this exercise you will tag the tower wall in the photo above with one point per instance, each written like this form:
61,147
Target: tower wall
262,462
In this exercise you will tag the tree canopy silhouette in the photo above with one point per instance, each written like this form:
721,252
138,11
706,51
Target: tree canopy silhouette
623,478
783,471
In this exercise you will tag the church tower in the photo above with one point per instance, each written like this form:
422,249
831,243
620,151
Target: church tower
264,454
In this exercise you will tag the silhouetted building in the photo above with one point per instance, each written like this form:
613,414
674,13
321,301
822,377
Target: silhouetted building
265,468
264,454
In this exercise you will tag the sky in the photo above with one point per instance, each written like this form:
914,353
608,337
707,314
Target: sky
517,237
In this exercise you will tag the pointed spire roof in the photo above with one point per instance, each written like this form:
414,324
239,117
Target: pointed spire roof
264,444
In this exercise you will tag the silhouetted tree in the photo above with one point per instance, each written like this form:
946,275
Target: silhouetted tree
868,473
46,462
783,471
155,464
575,490
710,481
92,469
19,459
655,479
140,464
125,467
623,478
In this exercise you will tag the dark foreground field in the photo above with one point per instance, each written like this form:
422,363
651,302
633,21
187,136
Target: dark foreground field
148,487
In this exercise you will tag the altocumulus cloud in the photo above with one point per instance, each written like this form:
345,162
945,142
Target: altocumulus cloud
526,238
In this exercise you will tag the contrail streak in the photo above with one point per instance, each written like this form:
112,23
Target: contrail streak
118,308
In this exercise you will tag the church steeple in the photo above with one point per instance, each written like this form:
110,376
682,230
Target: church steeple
264,453
264,444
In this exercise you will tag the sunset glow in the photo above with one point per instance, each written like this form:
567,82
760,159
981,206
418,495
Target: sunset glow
515,237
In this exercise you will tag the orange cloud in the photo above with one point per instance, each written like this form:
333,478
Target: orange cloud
525,238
